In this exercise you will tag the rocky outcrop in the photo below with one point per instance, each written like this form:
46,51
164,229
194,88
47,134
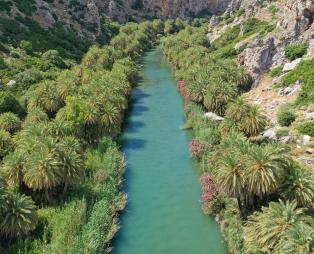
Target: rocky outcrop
258,57
295,25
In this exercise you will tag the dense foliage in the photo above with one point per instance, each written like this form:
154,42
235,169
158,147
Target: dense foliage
260,194
61,169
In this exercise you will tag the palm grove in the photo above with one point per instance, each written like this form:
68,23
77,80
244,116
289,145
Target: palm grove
261,195
61,168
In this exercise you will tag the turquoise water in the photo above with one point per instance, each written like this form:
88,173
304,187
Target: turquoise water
163,215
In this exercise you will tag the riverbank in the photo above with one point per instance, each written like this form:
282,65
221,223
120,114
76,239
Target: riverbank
251,183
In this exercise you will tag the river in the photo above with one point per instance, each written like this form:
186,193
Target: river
163,215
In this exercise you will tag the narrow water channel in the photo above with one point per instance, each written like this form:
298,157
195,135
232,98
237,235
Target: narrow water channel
163,215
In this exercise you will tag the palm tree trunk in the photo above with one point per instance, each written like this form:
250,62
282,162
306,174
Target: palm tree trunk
47,195
65,188
240,206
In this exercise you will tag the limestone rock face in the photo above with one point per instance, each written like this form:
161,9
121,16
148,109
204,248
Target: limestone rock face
295,25
258,57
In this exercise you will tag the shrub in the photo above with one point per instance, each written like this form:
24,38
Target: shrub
28,77
307,128
209,192
3,65
27,46
273,9
196,148
8,103
285,116
295,51
276,72
9,122
305,74
282,132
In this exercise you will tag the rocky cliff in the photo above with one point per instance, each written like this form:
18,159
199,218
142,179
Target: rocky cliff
293,21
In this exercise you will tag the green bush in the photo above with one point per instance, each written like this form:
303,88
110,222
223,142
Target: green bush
27,46
254,25
307,128
285,116
273,9
8,103
282,132
295,51
276,72
305,74
3,65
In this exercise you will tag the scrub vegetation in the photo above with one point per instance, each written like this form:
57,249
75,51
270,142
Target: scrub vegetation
260,194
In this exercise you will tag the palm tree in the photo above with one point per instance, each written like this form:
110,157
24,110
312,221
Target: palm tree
10,122
228,125
299,185
269,228
6,144
19,216
3,195
298,240
253,121
111,118
230,177
71,160
237,109
265,168
35,115
43,170
46,97
13,166
219,94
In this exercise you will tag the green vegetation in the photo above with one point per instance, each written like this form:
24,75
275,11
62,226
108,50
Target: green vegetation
295,51
305,74
259,193
276,72
224,46
286,116
307,128
61,169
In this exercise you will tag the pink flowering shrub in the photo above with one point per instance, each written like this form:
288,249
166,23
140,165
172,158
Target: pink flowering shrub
209,191
196,148
183,89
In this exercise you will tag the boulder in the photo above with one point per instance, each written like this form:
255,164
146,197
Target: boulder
295,88
214,116
309,116
306,139
270,134
11,83
285,91
310,51
310,151
291,66
307,160
285,139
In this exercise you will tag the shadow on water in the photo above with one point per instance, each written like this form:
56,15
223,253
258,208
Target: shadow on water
134,126
132,143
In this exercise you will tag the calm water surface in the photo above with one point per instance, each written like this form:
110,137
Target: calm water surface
163,215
